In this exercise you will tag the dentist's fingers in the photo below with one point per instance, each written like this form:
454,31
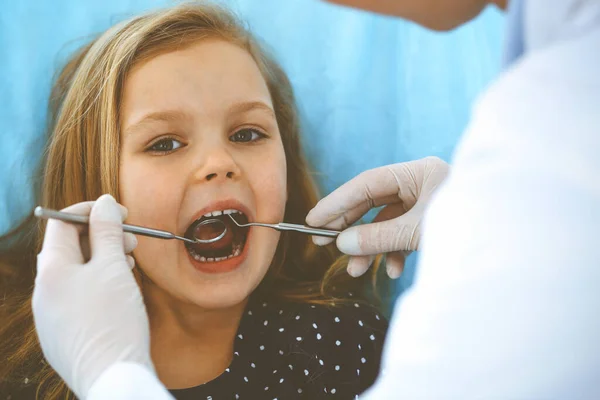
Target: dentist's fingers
63,247
400,233
322,241
367,188
358,265
394,263
130,261
408,181
61,244
106,229
129,244
351,216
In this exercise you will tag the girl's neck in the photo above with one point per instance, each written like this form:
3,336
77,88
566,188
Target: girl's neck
189,345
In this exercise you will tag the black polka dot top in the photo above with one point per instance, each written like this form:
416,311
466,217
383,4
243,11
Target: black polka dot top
299,351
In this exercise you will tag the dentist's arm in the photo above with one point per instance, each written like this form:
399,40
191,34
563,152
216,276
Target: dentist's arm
88,311
128,381
506,298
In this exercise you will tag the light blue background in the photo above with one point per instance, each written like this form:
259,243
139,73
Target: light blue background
372,90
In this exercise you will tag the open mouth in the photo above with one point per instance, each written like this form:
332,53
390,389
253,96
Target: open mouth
230,246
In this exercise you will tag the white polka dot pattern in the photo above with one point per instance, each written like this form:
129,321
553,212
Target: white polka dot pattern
299,351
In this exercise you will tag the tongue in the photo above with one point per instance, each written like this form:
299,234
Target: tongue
210,231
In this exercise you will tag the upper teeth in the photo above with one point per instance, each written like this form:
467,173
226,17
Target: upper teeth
216,213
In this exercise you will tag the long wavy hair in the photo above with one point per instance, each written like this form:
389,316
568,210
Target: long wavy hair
81,162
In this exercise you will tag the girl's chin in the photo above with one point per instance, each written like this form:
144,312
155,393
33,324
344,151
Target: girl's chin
218,297
184,294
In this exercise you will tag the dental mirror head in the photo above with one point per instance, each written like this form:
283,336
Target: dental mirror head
211,226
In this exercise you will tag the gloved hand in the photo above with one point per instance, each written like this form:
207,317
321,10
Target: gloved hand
404,189
89,313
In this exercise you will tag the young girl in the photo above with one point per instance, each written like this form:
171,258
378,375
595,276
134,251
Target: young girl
182,116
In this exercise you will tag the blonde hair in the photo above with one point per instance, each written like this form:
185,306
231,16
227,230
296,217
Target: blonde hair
81,163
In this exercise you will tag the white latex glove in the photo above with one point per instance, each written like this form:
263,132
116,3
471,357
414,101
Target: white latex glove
404,189
89,313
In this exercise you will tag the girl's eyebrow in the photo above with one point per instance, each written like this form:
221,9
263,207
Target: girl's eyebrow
242,107
157,116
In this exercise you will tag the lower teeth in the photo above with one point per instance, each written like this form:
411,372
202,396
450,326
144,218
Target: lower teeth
236,252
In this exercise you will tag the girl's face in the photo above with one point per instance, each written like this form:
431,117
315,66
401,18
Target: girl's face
199,136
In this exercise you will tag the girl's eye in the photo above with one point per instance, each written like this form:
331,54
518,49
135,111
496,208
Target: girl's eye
165,145
247,135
